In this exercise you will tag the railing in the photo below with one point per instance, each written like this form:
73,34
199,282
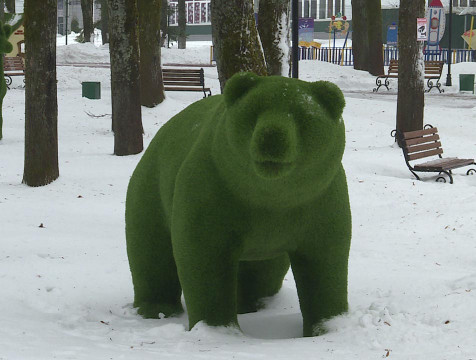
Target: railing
345,57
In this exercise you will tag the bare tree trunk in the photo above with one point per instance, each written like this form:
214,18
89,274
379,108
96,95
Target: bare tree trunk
182,25
274,32
10,6
411,100
88,25
374,31
151,82
235,39
41,106
360,40
125,84
104,22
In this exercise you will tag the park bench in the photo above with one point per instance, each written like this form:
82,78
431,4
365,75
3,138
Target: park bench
13,66
433,70
185,80
426,143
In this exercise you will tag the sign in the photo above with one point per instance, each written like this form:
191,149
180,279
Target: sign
392,35
422,29
306,29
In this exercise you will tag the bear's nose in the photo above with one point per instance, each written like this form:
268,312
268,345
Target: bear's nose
275,142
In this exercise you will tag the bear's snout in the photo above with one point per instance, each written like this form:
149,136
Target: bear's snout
273,146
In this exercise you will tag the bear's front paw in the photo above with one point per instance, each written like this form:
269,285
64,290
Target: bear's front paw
157,310
315,330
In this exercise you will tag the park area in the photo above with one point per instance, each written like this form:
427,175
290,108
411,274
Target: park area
66,290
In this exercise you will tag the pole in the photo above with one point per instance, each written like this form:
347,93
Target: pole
295,39
450,52
471,33
66,17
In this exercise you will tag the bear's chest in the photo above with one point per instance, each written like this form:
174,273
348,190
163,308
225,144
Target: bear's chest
266,235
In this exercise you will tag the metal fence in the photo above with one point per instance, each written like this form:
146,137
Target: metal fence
345,56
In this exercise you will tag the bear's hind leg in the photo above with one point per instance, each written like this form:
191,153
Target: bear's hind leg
157,288
258,280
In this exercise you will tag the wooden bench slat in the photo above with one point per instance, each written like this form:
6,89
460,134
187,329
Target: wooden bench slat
418,133
422,140
429,146
424,154
184,89
444,164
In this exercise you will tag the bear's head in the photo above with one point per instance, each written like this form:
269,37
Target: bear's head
283,134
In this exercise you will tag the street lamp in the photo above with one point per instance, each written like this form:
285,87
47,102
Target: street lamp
66,17
295,38
448,76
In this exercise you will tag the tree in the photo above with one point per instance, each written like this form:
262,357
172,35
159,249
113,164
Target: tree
374,34
182,25
88,25
411,100
151,82
274,32
235,39
10,4
360,39
104,22
75,25
41,106
125,86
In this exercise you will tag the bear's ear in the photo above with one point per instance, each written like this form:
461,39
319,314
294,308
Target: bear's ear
329,95
238,85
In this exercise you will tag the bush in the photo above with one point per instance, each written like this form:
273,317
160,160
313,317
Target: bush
75,25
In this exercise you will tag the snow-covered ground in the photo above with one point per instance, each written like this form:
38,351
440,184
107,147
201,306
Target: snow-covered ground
66,289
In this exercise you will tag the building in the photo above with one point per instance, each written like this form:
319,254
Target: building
74,13
198,11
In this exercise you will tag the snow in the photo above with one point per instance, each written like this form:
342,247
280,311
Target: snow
66,285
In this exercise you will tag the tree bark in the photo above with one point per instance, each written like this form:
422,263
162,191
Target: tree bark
274,32
10,4
374,33
41,106
104,22
125,84
88,25
235,39
182,25
411,100
360,41
151,82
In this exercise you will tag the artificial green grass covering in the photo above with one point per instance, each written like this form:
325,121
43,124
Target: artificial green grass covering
231,191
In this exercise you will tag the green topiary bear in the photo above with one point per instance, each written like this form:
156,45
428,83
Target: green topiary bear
231,191
5,48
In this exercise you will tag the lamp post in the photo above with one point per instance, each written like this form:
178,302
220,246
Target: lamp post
295,38
66,17
448,76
